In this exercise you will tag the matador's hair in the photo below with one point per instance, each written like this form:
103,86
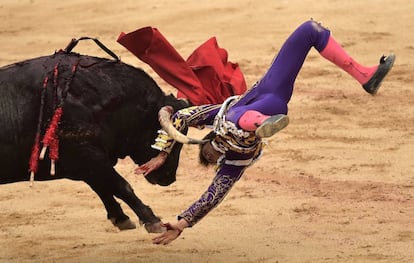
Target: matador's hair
209,137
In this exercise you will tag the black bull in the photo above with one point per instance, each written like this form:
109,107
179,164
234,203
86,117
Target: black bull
109,112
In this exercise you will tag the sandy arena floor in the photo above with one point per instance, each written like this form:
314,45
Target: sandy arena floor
336,186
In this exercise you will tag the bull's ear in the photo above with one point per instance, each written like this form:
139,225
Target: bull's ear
184,103
177,104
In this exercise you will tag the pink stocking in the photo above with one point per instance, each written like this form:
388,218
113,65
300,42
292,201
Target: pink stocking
337,55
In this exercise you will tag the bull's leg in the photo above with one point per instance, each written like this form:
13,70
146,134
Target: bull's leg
112,184
90,164
125,192
114,211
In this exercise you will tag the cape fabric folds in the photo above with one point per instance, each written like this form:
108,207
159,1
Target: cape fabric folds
206,77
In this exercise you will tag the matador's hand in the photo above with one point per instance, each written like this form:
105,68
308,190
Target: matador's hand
152,164
172,233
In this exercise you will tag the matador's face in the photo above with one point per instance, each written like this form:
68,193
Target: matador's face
210,154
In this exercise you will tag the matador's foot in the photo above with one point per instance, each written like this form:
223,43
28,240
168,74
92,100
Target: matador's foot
272,125
384,67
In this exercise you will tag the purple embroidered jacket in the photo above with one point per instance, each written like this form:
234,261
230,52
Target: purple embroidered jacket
240,149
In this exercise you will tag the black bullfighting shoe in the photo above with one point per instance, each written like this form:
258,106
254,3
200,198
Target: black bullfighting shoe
272,125
384,67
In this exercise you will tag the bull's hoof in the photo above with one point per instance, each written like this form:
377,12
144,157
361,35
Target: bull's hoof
124,225
155,227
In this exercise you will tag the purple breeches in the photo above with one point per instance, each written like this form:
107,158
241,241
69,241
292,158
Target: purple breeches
272,93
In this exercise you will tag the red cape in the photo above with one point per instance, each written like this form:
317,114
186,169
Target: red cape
206,77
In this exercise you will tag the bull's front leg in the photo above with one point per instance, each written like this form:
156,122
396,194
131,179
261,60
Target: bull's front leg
125,192
110,184
114,211
89,163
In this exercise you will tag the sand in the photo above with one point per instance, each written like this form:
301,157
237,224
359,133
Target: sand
337,185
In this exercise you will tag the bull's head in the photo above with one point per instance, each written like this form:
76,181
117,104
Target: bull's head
165,175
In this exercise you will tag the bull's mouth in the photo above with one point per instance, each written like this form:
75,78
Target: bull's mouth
164,117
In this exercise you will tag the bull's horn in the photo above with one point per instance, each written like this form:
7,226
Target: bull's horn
164,116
